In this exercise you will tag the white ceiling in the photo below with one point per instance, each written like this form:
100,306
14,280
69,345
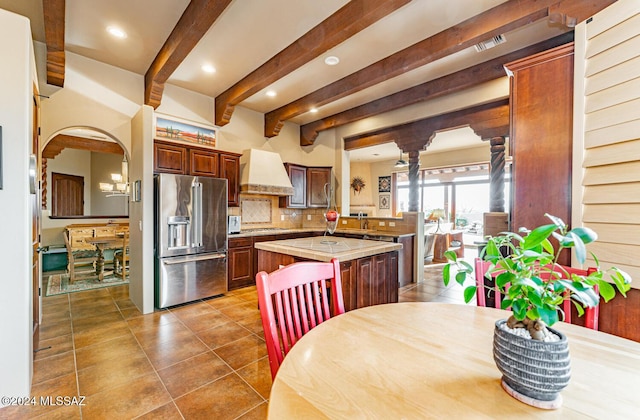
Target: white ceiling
250,32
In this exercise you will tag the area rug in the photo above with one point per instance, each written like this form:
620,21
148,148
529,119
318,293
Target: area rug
59,284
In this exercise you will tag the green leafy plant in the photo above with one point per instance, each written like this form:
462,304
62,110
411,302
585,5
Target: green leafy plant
524,267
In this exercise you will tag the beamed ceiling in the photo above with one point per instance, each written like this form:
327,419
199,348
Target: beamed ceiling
393,53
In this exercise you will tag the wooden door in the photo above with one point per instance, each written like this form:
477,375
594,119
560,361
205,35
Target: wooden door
541,103
203,163
298,177
67,195
35,225
169,158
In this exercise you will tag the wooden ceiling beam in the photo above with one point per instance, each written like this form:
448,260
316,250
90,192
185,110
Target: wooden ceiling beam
53,11
455,82
353,17
64,141
417,135
195,21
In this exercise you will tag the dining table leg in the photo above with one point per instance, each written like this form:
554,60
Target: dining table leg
100,263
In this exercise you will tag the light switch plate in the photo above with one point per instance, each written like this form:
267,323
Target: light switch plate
392,224
308,217
380,223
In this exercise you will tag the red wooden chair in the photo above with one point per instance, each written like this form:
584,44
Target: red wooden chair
293,300
590,314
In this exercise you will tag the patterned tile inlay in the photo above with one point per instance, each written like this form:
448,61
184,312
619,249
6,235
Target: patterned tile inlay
255,210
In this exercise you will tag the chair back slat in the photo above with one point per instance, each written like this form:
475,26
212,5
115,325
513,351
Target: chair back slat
559,271
295,299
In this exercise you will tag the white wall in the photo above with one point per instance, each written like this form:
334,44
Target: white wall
17,75
102,166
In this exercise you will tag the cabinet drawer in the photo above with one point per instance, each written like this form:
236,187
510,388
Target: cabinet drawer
239,242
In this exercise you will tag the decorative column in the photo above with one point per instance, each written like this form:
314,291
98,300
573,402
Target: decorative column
414,166
496,177
44,183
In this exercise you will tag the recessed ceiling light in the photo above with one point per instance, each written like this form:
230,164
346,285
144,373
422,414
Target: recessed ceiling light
208,68
313,110
271,93
117,32
332,60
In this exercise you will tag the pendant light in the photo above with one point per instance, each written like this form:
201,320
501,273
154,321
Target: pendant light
401,163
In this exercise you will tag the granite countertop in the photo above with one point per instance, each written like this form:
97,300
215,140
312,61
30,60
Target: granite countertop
313,248
282,231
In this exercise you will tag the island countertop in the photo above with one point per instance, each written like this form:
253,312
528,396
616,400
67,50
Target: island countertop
316,248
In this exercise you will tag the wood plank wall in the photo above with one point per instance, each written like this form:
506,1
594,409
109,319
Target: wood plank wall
607,150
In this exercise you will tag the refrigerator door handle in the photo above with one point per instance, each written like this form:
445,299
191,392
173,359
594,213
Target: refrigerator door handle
173,260
196,189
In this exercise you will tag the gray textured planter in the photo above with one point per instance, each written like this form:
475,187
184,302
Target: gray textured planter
534,372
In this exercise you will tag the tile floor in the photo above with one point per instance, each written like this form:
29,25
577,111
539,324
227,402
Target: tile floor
202,360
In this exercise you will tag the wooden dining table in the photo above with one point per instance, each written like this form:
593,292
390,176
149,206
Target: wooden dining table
434,360
101,243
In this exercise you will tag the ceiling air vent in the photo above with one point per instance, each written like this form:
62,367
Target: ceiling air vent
490,43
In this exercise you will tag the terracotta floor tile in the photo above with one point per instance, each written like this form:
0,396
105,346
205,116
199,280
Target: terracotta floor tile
166,412
54,346
258,413
242,352
53,367
65,412
55,300
61,386
129,313
170,352
190,374
223,334
224,301
89,295
125,346
101,334
151,321
119,292
253,323
152,337
238,312
206,321
258,375
100,320
93,310
109,374
226,398
128,400
191,310
57,329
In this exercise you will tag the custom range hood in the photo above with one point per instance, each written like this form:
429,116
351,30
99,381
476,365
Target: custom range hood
262,172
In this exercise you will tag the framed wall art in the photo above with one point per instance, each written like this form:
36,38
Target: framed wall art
384,201
183,131
384,184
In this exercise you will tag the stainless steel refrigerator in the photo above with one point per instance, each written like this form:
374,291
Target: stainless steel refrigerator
190,238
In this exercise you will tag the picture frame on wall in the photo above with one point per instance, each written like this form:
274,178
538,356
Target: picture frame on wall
177,130
384,184
384,201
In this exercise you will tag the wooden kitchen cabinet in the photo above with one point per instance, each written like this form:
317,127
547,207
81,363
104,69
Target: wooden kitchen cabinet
240,271
174,158
169,158
203,163
317,177
376,280
298,177
230,170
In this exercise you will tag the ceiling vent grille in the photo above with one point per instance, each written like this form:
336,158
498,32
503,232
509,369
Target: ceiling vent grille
490,43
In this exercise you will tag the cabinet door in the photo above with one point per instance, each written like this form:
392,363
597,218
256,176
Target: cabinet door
230,169
316,180
169,158
240,270
298,177
372,280
203,163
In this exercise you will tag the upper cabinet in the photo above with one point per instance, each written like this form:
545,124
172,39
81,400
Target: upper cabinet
298,177
308,186
316,180
188,160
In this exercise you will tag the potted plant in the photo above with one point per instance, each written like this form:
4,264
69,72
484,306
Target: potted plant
524,269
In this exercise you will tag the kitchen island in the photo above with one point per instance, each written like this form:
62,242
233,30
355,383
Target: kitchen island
369,269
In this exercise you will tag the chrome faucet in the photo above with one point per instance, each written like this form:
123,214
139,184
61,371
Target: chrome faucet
360,219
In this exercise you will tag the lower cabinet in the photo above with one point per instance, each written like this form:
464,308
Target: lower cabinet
375,280
240,272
